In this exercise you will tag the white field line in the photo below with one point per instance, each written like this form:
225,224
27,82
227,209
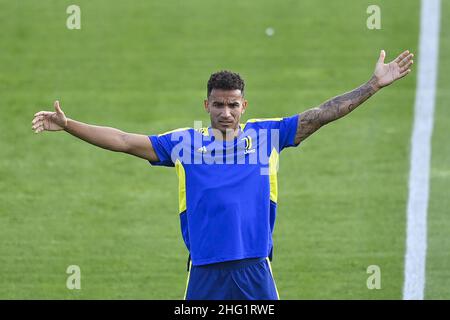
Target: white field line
416,233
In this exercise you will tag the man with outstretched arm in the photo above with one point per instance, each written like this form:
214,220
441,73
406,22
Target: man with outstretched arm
227,194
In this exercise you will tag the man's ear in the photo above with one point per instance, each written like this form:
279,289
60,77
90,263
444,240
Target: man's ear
206,106
244,105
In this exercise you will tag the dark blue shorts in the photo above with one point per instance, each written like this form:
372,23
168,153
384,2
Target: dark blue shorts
247,279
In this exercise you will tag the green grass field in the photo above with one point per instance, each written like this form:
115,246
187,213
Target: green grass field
142,66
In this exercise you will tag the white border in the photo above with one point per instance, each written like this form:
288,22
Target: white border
416,233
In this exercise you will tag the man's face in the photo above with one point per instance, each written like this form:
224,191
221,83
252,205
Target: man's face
225,108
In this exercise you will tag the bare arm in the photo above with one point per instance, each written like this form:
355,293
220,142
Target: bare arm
103,137
311,120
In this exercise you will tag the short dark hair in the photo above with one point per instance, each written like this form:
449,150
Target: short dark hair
225,80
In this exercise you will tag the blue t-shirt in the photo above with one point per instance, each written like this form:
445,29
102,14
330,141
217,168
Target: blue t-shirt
227,189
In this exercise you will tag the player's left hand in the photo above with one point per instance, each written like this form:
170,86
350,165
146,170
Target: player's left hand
385,74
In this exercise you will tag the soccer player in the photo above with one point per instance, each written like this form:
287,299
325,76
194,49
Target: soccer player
227,188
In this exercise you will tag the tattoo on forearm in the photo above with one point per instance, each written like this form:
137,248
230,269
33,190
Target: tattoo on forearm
333,109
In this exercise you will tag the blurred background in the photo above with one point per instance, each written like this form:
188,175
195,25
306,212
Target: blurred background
142,66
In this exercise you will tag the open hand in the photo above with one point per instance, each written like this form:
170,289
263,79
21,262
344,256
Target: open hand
385,74
49,121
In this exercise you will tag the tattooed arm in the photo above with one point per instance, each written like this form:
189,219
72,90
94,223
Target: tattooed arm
311,120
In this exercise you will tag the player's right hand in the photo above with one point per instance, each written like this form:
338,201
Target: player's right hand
49,121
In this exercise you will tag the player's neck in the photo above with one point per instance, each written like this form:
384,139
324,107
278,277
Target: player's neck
227,135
